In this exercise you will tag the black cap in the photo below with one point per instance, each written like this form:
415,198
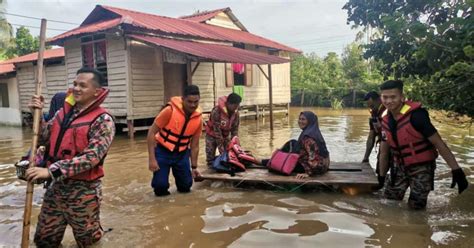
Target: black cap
371,94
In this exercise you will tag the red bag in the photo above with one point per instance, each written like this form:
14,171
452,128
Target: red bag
283,162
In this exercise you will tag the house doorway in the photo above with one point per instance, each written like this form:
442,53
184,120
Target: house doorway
175,77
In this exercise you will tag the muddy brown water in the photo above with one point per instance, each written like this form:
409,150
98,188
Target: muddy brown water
219,215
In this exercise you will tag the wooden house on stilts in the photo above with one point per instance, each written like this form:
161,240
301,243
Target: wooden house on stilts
148,58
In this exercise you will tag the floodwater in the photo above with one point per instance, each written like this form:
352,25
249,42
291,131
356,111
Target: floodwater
219,215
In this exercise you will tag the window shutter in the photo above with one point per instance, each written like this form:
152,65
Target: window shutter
248,75
229,75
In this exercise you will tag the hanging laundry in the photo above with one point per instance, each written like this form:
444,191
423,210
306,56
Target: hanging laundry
238,68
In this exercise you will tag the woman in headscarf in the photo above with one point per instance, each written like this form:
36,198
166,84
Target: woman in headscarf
314,156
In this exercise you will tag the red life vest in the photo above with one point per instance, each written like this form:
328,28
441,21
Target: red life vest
68,142
411,147
176,135
226,121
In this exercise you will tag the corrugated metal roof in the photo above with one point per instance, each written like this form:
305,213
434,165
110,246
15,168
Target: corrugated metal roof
7,66
171,26
91,28
212,52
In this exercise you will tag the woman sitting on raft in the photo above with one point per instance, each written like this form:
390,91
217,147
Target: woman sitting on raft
313,154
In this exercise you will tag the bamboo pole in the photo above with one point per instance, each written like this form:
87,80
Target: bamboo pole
25,239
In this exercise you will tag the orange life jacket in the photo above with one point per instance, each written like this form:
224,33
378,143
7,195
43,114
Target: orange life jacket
67,141
176,135
226,121
410,146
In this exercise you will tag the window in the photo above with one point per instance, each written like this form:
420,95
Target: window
4,102
94,53
238,74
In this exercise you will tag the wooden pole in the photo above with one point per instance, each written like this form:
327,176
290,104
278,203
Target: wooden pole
270,94
214,85
25,239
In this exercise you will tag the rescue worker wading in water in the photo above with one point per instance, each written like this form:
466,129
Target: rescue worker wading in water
376,109
222,126
77,140
414,142
172,139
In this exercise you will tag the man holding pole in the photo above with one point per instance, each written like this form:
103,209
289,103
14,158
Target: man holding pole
77,140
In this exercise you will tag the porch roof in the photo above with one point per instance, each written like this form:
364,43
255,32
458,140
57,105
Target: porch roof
207,52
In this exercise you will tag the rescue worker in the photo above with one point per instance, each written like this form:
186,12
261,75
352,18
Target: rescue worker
172,139
414,142
376,109
79,136
222,126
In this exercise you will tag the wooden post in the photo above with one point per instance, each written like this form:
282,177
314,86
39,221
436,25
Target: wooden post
214,82
25,238
189,73
131,129
270,94
257,112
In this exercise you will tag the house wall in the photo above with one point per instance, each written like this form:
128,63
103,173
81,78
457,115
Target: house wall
13,97
146,77
26,79
117,71
257,93
222,20
11,115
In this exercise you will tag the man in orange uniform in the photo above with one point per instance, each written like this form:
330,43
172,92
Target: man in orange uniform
172,139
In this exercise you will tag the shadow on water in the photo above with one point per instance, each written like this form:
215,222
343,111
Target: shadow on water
219,215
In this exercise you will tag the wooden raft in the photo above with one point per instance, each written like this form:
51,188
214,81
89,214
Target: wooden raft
340,173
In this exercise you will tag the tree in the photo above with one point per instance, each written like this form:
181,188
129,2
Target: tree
6,32
25,43
427,43
355,68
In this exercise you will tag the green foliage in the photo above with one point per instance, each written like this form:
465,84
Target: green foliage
324,81
24,43
6,32
337,104
427,43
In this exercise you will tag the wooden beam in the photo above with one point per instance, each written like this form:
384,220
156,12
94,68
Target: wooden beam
195,68
265,74
130,129
189,73
270,93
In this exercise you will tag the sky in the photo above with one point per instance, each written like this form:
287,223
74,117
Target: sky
317,26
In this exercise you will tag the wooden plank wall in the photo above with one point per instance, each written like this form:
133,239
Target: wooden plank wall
203,79
147,89
116,102
222,20
56,81
26,75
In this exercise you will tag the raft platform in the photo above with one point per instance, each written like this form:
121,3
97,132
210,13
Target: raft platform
339,174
